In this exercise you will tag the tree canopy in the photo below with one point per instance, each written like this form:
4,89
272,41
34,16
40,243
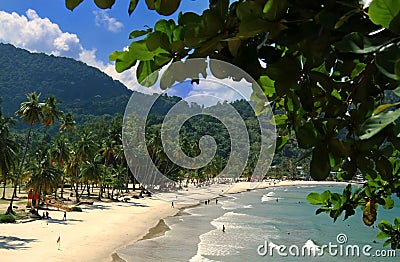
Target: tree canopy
326,66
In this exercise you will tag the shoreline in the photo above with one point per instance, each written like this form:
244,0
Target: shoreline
102,229
236,188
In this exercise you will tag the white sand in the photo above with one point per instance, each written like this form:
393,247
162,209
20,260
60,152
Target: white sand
94,235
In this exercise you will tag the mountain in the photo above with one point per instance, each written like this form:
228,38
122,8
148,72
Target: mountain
82,89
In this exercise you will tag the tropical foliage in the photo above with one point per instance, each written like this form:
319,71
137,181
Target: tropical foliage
325,66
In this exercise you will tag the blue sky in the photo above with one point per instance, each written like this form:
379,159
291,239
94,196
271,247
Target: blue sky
103,30
89,34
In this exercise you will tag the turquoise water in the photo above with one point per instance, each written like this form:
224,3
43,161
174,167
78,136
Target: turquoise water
254,220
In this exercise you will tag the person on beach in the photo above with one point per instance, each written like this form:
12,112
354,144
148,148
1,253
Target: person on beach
172,204
65,216
216,201
223,228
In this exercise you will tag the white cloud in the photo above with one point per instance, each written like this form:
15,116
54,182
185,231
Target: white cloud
102,19
38,34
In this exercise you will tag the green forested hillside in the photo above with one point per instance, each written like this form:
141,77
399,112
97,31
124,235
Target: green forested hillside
83,90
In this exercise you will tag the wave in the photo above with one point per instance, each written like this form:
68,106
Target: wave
269,197
200,258
230,205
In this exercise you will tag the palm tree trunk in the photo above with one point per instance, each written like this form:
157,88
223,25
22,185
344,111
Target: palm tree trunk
4,189
100,192
127,181
62,187
77,189
10,207
40,191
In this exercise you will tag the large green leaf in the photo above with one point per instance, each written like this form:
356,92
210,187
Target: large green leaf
280,72
139,51
137,33
320,164
315,199
249,10
144,73
267,85
150,4
395,24
132,6
274,9
384,168
389,203
388,59
376,123
357,43
166,7
123,60
306,135
382,12
165,26
158,40
104,4
279,120
71,4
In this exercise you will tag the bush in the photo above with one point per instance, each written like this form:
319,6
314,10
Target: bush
7,218
78,209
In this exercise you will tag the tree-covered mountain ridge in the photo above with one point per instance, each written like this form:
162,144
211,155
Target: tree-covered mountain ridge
82,89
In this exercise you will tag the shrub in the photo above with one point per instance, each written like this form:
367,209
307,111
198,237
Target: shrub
78,209
7,218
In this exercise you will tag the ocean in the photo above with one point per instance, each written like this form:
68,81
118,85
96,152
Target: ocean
273,224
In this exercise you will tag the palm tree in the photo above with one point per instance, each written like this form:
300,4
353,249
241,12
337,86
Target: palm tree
8,151
59,155
44,177
72,170
86,149
67,123
50,112
31,112
92,171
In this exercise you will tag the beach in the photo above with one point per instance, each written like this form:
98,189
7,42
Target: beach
102,228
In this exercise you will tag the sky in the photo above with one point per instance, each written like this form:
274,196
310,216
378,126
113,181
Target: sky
87,33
